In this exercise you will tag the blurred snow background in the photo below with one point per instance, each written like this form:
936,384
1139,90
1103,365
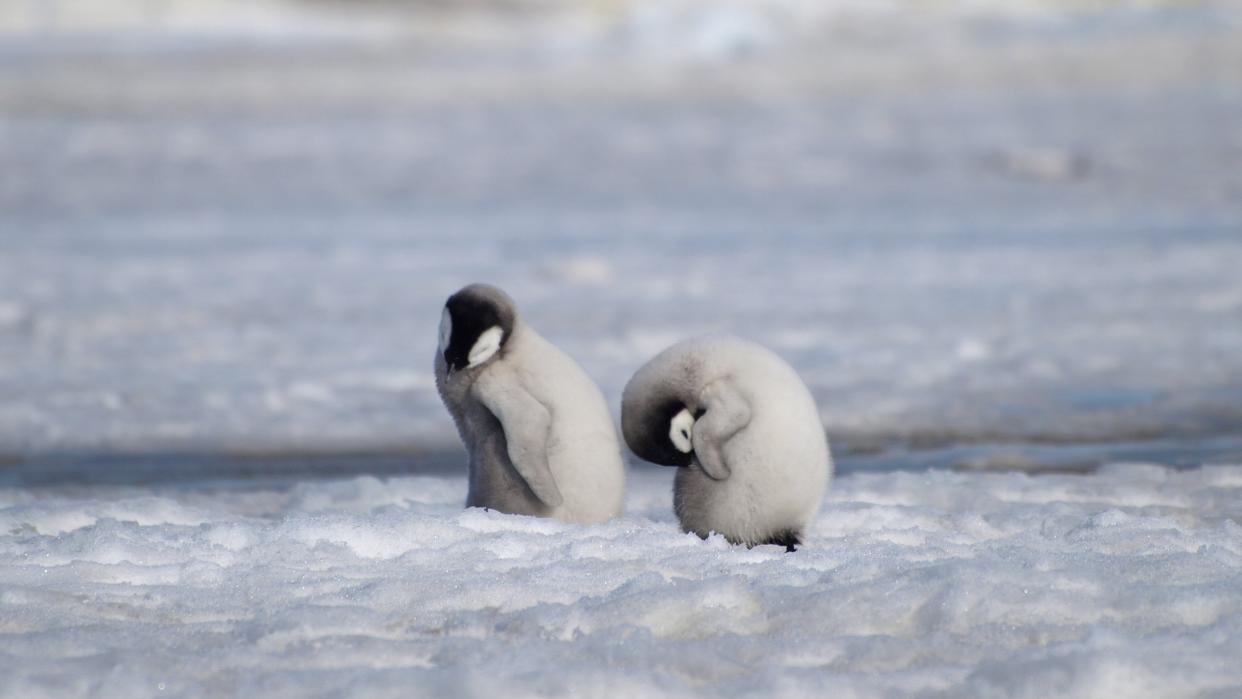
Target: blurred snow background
228,227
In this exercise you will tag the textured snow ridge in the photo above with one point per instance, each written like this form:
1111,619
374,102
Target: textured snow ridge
1126,582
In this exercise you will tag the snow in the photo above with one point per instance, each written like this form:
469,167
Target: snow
1127,581
247,248
1007,235
1008,231
233,304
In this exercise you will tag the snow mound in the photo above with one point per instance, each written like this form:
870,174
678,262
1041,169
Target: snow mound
1124,582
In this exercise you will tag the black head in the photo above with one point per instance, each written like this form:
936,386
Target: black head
476,325
661,435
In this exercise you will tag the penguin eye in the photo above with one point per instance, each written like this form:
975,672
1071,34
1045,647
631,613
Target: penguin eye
679,431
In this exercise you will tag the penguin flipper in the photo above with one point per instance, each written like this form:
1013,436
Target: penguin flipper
726,412
526,423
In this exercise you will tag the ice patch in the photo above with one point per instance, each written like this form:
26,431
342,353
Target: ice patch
972,350
11,314
583,271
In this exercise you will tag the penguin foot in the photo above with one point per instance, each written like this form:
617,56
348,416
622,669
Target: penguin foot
788,538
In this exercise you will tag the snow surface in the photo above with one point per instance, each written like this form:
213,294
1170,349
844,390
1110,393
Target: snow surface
1126,582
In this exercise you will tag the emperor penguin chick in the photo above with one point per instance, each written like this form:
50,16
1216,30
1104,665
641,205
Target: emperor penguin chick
537,430
745,431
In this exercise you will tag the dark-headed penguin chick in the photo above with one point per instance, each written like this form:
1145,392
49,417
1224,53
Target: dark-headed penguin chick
537,430
745,431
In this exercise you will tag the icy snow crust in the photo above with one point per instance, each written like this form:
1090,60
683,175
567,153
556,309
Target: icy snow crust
1127,582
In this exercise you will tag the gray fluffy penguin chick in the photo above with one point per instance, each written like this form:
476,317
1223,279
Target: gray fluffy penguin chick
538,433
745,431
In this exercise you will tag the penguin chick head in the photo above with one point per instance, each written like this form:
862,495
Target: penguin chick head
664,435
476,324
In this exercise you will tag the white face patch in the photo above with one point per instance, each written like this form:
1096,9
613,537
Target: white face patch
680,429
487,345
446,329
